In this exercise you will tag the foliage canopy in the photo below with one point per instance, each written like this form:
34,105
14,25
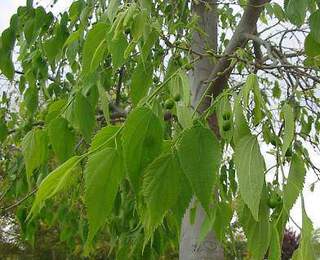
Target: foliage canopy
101,140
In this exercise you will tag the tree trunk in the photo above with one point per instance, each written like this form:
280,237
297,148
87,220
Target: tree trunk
217,74
209,248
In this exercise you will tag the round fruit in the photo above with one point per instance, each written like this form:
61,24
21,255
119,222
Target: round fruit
177,97
274,200
226,116
272,203
169,104
226,126
188,66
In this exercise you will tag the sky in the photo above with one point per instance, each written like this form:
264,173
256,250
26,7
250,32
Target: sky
312,199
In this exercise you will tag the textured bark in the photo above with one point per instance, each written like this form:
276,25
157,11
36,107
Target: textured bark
203,71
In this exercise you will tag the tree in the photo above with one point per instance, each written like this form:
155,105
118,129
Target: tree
137,119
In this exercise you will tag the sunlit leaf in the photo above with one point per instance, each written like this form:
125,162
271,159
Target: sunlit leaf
295,182
199,154
35,150
288,133
142,141
161,188
55,182
62,138
103,174
250,168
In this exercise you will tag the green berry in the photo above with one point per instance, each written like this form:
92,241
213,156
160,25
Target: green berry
272,203
188,66
226,126
274,200
177,97
169,104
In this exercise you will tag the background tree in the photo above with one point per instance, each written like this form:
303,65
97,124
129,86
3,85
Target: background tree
104,143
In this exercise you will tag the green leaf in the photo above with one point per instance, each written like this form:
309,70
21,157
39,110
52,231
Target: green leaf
276,91
7,41
28,30
62,138
222,217
31,99
305,250
57,181
94,47
184,115
161,189
112,9
274,250
241,128
288,133
312,48
74,37
104,102
250,167
6,64
252,84
75,10
258,233
278,11
138,25
141,81
314,25
103,174
104,138
258,105
147,46
35,150
3,130
142,141
98,55
54,45
296,11
295,182
55,109
117,49
199,153
81,115
183,201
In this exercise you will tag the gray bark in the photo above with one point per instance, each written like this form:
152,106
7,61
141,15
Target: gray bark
203,71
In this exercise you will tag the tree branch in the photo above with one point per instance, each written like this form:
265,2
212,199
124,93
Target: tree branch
218,80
